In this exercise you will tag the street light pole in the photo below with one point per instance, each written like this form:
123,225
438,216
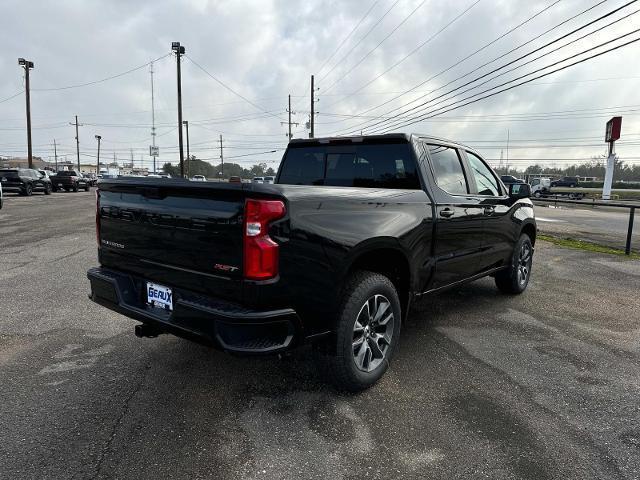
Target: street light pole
186,124
180,50
98,137
27,65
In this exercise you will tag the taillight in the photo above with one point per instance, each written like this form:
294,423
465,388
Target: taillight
98,216
260,251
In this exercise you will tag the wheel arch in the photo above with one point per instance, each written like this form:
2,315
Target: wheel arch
530,229
387,257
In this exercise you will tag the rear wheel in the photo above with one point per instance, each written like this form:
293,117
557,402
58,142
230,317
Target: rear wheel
367,331
47,189
86,187
514,280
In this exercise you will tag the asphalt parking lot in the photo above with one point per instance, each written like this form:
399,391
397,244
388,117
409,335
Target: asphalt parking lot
540,386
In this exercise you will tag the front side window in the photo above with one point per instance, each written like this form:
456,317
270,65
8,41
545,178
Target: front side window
485,180
447,169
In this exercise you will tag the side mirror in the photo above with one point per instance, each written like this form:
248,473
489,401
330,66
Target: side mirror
519,190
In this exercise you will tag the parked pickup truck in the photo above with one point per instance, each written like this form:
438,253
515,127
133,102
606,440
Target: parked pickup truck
71,180
353,231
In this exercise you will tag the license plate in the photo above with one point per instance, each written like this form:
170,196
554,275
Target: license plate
159,296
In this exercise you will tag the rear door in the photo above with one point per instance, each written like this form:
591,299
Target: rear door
459,217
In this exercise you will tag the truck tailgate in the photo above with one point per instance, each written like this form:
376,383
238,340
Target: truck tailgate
174,233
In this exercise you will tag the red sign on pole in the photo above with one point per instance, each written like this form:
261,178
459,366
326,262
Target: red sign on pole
613,129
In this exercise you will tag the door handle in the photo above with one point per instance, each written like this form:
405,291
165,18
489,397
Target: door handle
446,213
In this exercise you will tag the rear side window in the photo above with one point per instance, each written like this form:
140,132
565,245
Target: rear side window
370,166
447,168
303,166
485,180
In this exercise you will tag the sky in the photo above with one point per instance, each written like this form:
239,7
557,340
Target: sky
379,66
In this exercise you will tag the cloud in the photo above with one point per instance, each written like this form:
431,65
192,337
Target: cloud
265,50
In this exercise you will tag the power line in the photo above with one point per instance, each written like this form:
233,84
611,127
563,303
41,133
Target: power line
353,67
412,52
344,40
510,63
12,96
359,41
101,80
472,54
415,120
231,89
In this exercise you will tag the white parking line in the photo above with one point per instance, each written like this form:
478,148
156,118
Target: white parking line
542,219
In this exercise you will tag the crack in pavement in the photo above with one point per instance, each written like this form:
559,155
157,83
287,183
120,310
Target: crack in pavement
107,447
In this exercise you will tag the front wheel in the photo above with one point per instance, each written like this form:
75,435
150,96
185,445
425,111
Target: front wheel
86,187
367,331
75,187
47,189
514,280
28,190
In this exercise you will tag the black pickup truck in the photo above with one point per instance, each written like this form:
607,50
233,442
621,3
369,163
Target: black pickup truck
353,231
71,180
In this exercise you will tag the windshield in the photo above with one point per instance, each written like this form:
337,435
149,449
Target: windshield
67,174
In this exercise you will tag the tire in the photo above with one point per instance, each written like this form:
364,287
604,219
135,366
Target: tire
363,345
537,194
75,187
47,189
86,187
28,190
514,280
66,189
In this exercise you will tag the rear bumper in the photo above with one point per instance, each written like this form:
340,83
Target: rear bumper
202,319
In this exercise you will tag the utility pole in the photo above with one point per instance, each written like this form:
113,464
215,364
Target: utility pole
313,101
221,158
27,65
153,122
180,50
98,137
77,142
507,171
55,153
290,135
186,124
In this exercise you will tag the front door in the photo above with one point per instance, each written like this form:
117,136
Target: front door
497,242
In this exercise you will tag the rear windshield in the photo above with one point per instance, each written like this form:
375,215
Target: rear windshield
372,166
66,173
9,173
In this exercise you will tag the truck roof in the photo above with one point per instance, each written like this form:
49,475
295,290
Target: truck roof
389,137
